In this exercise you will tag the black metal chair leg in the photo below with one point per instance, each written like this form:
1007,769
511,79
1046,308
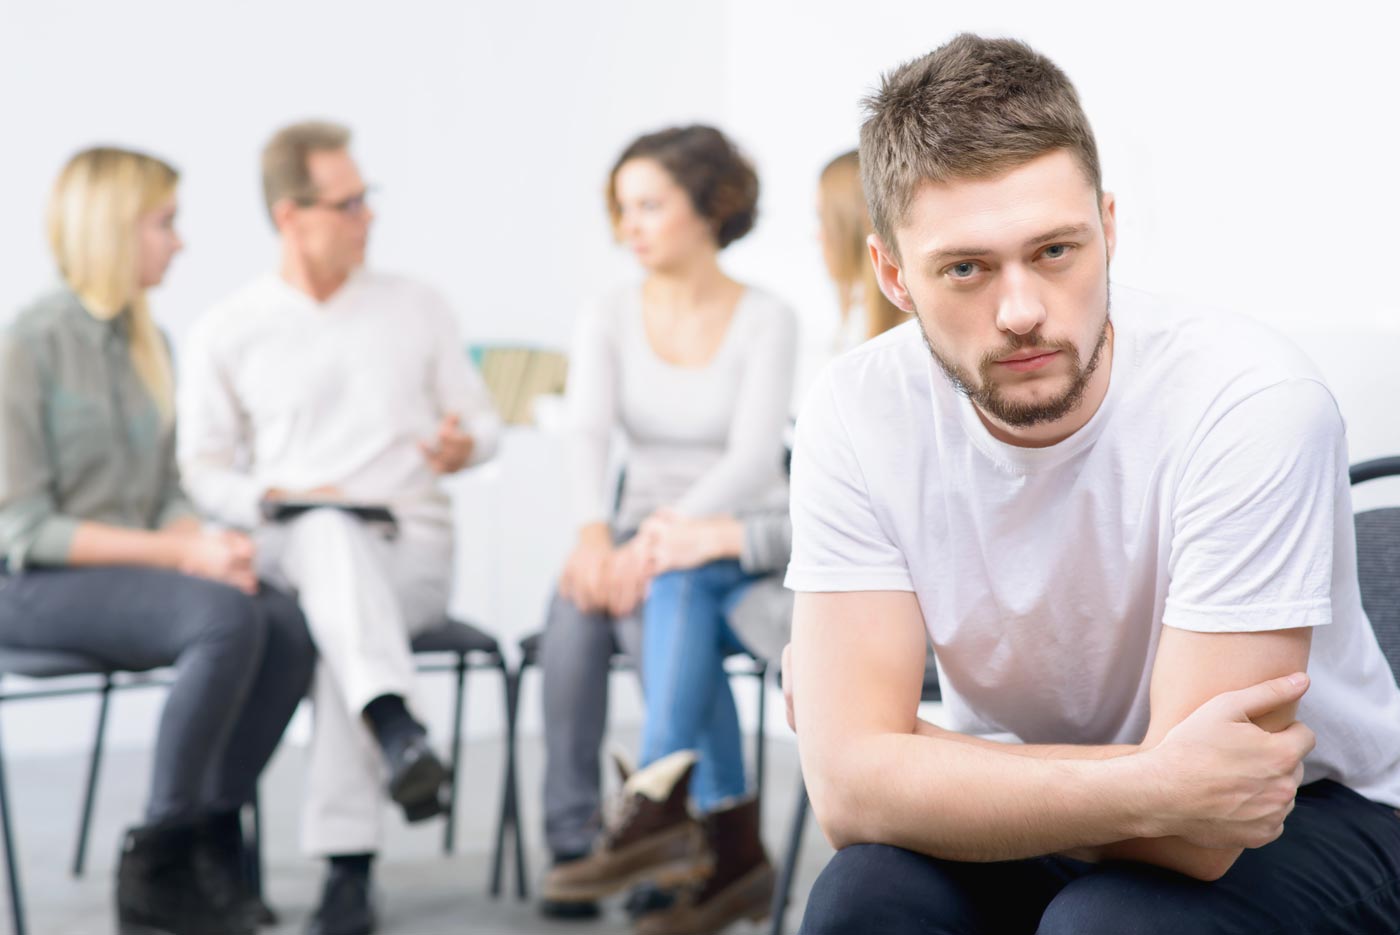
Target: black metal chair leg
759,740
449,835
11,863
498,856
782,893
253,851
80,854
522,875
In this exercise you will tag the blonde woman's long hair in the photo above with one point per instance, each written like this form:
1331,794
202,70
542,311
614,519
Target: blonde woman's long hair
845,226
93,211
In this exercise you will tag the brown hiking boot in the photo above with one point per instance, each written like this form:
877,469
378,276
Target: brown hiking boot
741,886
651,837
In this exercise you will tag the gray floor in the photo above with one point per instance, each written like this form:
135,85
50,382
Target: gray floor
421,891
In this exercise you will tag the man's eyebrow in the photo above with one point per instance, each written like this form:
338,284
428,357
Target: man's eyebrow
1059,233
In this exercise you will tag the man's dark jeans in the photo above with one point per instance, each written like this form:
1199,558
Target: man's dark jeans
1334,871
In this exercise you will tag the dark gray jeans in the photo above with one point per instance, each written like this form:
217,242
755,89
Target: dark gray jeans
242,663
576,656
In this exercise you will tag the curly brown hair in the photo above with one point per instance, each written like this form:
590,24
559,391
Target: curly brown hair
720,180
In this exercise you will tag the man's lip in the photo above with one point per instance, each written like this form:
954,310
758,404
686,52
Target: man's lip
1026,355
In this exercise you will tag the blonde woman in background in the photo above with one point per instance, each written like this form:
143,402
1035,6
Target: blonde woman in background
104,556
843,229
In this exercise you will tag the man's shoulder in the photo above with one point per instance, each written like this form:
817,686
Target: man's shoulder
896,354
879,389
1212,344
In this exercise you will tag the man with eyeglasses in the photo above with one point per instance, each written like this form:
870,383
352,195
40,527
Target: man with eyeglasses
324,384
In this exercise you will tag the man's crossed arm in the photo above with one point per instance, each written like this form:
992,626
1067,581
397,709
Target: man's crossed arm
1216,772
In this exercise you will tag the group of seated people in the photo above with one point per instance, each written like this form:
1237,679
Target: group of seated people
1123,522
227,549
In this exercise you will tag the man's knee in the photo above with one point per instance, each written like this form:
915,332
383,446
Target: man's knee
878,888
1144,901
325,529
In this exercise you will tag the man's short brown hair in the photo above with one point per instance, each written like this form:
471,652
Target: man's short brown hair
284,171
972,108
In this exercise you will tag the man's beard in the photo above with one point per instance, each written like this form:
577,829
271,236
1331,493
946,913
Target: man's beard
987,395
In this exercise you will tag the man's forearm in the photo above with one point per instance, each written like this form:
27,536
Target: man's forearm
1055,751
975,801
1169,852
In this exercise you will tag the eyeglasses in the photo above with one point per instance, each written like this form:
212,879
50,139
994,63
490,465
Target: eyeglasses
353,206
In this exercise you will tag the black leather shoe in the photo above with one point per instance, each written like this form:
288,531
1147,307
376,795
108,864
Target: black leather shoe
221,862
416,778
347,907
160,891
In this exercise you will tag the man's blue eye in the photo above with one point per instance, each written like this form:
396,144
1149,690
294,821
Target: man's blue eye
1055,251
963,270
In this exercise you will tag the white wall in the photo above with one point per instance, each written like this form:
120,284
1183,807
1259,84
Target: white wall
1250,147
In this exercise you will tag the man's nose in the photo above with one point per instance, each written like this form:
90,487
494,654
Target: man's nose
1020,309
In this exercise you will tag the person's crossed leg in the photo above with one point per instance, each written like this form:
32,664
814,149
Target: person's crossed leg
364,597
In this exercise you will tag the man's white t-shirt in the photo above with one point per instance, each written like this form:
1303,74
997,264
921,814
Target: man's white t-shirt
1209,492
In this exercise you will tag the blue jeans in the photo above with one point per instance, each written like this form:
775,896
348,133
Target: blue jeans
688,702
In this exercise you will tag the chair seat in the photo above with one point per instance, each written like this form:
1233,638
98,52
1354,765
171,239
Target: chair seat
932,691
454,636
48,663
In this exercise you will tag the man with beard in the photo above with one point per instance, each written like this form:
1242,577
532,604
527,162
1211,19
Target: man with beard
1128,537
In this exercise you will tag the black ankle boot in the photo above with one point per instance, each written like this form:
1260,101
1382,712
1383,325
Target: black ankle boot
221,864
347,905
159,891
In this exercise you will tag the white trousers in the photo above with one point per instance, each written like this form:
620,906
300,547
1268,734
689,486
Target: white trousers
364,597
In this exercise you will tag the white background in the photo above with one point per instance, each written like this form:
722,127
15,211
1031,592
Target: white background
1251,146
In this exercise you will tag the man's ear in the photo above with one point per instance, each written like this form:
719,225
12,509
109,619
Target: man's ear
888,274
1108,216
283,210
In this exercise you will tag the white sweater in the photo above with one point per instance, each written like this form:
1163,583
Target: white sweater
700,439
279,390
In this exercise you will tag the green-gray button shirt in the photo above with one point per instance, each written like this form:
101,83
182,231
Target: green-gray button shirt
80,437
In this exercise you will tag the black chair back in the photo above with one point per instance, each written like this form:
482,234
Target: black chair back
1378,562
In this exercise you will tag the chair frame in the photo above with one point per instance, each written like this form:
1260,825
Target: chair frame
104,683
95,683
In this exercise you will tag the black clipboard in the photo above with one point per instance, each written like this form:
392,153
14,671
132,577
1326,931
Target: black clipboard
282,511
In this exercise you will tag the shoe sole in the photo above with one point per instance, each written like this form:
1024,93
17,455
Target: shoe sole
693,864
418,790
667,875
749,897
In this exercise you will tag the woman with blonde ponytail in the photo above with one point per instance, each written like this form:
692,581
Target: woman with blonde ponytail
102,555
844,227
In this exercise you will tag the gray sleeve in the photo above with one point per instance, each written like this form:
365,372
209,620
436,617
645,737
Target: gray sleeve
592,406
31,528
174,504
753,455
767,542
